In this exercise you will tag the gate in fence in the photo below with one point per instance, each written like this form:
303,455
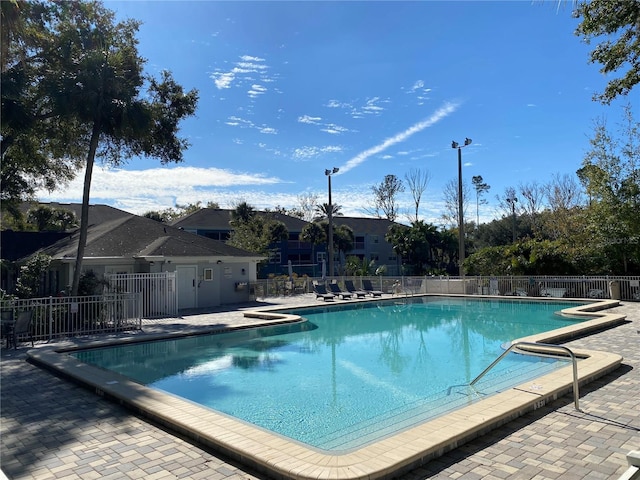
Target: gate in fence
158,292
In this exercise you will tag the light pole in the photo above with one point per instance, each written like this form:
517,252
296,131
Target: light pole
512,201
328,173
454,144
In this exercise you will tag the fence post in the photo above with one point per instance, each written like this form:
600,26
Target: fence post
50,318
139,310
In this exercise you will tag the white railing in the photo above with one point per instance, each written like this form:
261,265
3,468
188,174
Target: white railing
159,295
59,317
622,287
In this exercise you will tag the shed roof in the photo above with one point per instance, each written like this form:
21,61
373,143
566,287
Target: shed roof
134,236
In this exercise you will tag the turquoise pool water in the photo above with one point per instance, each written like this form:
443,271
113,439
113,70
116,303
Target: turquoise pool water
353,372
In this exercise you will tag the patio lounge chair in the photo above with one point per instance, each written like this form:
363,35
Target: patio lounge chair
351,288
321,292
553,292
335,289
22,326
596,293
368,287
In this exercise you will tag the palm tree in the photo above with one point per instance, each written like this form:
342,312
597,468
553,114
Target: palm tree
243,213
344,240
315,235
323,211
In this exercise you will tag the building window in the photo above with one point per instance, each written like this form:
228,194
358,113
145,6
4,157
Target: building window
275,257
208,274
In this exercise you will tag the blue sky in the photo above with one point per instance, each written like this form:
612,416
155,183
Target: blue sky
288,89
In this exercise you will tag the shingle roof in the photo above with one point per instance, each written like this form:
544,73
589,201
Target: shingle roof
135,236
97,213
218,219
17,245
360,225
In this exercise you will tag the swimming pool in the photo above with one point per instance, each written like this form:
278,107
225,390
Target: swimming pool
280,457
351,373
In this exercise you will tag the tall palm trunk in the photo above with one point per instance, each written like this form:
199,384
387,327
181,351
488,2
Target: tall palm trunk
84,216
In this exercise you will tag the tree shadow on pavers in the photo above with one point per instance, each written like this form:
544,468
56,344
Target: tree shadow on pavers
436,466
231,307
44,414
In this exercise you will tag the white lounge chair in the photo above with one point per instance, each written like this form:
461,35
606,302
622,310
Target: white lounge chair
553,292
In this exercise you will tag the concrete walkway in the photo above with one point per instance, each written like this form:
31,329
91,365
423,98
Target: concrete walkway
53,429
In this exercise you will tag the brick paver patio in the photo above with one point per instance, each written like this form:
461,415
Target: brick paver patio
53,429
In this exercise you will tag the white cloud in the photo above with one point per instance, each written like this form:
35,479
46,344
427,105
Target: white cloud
234,121
331,128
156,188
441,113
420,91
371,106
306,153
372,109
337,104
139,191
417,86
249,58
334,129
242,72
224,80
237,121
256,90
308,119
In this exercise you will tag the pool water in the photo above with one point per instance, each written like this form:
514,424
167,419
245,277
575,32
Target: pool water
352,373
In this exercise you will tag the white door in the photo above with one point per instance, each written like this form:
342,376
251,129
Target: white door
187,291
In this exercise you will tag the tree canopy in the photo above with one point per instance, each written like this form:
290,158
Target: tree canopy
258,235
611,177
618,21
385,196
39,146
73,89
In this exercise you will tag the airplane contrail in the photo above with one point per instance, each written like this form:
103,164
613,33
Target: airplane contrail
438,115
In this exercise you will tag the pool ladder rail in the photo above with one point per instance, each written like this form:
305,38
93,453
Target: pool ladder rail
540,350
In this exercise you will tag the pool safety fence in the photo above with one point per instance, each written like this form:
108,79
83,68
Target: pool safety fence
158,291
596,287
61,317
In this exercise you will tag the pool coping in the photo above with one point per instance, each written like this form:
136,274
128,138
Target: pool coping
283,458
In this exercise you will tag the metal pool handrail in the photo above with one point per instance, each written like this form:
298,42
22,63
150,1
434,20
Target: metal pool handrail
576,393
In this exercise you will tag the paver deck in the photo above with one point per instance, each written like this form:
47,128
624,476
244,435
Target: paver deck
53,429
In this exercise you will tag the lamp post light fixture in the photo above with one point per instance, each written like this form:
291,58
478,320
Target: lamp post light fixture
512,201
454,144
328,173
